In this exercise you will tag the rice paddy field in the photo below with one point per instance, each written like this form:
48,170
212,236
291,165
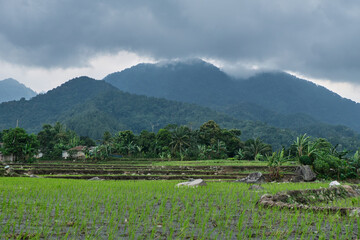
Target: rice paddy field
137,169
47,208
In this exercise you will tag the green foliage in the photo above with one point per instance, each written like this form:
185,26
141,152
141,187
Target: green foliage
147,142
254,147
107,138
163,140
181,139
275,161
239,155
87,141
76,209
278,99
328,166
305,160
56,138
209,133
301,144
91,107
354,164
20,144
327,162
101,153
355,160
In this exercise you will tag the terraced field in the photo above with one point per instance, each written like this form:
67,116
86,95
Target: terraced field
149,170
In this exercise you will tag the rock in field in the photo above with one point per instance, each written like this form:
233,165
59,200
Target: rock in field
9,172
193,183
255,177
297,178
95,179
334,183
306,173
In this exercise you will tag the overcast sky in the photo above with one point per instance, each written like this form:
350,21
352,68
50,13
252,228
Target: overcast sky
46,42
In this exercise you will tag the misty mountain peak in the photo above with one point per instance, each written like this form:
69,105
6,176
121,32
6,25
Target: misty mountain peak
11,89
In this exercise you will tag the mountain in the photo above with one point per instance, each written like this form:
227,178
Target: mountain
287,94
263,97
193,81
10,89
91,107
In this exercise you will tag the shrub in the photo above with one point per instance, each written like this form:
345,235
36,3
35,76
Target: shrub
305,160
328,166
275,162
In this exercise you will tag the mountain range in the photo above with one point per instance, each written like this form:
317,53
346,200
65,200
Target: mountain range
274,106
90,107
11,90
269,97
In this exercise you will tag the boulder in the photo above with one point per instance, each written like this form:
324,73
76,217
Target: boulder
297,178
95,179
352,192
334,183
9,172
256,177
193,183
306,172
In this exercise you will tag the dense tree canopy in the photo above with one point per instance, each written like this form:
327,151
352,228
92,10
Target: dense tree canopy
21,145
56,138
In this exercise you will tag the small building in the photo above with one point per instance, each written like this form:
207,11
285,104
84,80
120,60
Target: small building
6,158
75,153
39,155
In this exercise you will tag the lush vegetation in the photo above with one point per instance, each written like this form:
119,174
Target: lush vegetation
91,107
267,97
175,142
326,160
75,209
20,144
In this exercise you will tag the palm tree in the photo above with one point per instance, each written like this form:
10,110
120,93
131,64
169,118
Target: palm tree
180,139
254,147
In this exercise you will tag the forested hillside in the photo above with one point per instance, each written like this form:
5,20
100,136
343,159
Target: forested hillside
91,107
269,93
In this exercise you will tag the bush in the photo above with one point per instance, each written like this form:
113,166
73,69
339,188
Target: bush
275,162
328,166
306,160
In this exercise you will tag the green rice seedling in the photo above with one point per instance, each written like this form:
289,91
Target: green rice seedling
54,208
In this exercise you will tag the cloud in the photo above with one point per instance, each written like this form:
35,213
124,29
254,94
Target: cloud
315,37
42,79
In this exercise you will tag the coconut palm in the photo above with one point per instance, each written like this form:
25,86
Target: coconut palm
180,139
254,147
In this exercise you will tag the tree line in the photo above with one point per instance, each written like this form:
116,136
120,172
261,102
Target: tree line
210,141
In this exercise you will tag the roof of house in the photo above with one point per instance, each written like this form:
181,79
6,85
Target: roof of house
78,148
